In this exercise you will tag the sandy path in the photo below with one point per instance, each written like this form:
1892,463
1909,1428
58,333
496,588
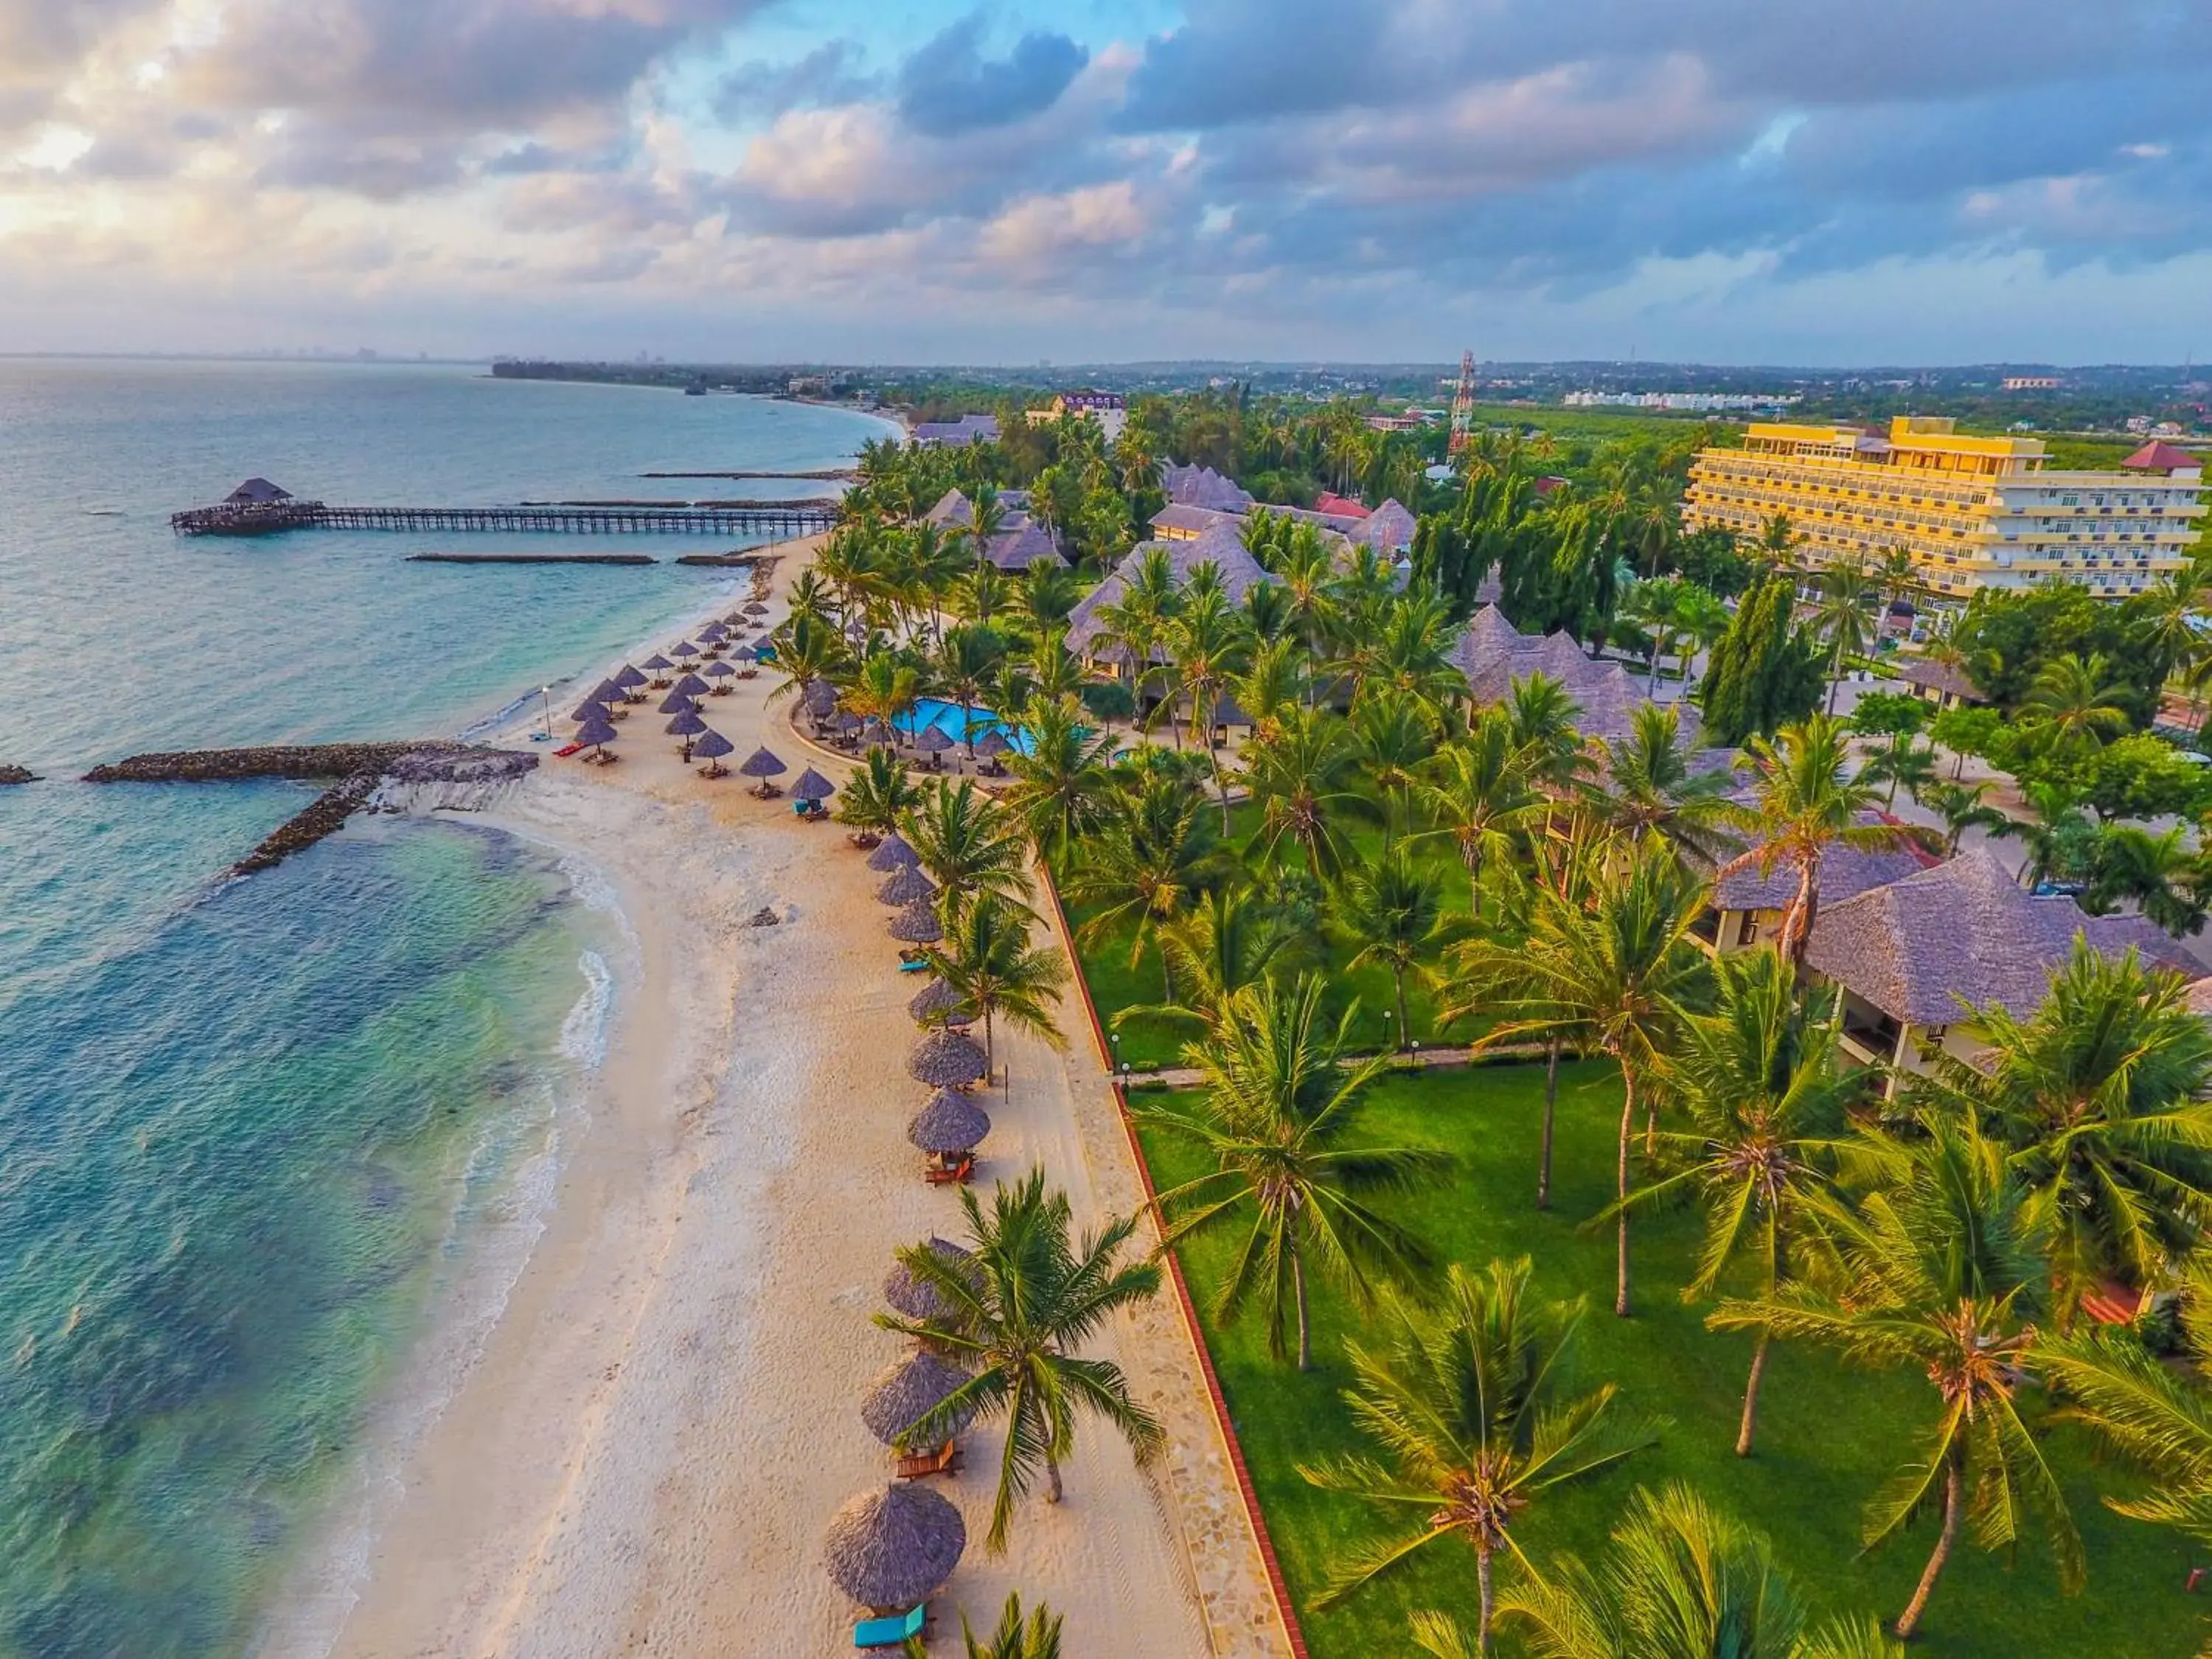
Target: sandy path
644,1457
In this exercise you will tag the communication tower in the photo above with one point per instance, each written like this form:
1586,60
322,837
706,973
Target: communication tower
1462,415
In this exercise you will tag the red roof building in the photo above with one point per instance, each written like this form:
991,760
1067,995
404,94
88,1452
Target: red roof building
2161,457
1339,507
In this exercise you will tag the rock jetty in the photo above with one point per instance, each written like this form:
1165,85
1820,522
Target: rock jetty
394,775
17,775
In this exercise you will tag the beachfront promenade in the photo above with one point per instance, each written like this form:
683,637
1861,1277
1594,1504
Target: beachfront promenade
645,1457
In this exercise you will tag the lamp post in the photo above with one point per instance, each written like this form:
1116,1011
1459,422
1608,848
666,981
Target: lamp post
545,704
1389,1031
1416,1054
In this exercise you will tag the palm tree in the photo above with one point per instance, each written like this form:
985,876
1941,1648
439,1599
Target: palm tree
1277,1111
969,845
1805,804
877,795
1846,590
2163,875
1479,793
807,649
1061,780
1397,735
1899,760
1302,775
2099,1097
1273,682
1471,1409
1158,853
1645,786
1036,1637
1682,1580
882,688
1207,643
1618,967
1019,1306
1047,593
2074,702
1962,807
2060,840
1934,1275
1229,939
1135,624
2155,1416
987,957
1540,716
1391,913
965,660
1759,1082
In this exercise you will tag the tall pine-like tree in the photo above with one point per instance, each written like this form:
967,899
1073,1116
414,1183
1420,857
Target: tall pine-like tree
1764,674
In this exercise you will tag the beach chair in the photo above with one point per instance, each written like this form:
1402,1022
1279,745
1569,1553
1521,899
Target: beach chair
891,1631
572,749
916,1466
962,1172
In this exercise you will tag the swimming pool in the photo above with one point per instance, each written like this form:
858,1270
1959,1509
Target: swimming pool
956,723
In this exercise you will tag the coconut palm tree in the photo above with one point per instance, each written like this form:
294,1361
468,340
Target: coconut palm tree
1899,760
1479,791
1396,735
969,845
877,795
1682,1580
1805,804
807,649
1302,775
2060,840
1962,807
1158,852
2074,703
1757,1081
1277,1111
1135,624
1645,784
881,687
1036,1636
1207,643
1540,716
2163,875
1843,614
1229,939
1021,1305
987,957
1936,1275
1061,781
1052,669
1472,1407
2100,1098
1273,682
1390,912
1618,967
1046,596
965,660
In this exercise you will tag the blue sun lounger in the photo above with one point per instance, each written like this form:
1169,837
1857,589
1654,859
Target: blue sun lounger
890,1632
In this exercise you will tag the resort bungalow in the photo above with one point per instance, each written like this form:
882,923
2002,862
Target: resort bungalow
1748,908
1222,546
1020,542
1201,486
1912,958
1493,653
956,434
1945,684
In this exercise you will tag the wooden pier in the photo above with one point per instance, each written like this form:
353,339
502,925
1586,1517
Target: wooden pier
757,519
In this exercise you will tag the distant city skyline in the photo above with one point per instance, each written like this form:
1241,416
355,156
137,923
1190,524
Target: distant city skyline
1289,180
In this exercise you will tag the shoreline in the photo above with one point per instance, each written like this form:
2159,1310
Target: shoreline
643,1454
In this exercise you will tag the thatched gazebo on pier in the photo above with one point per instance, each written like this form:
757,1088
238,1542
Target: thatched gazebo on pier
892,1549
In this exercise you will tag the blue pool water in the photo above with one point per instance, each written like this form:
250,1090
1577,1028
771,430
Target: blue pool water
957,723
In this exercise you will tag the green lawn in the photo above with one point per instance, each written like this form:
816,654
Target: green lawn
1117,982
1828,1436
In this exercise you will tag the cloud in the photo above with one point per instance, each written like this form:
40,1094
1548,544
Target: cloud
830,73
949,88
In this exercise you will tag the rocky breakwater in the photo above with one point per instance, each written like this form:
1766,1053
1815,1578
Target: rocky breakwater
393,776
17,775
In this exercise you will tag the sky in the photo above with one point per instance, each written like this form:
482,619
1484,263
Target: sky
856,181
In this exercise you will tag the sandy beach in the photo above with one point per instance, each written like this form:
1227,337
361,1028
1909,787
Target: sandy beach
643,1456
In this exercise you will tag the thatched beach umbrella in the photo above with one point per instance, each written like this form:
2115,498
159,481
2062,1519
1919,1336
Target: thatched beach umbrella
947,1060
812,786
992,744
951,1125
721,673
687,724
875,733
821,700
595,709
597,734
608,690
917,924
746,653
684,648
847,720
714,630
629,679
763,765
714,746
903,1394
755,608
894,1547
915,1298
907,886
677,702
692,686
894,855
933,740
657,664
938,1004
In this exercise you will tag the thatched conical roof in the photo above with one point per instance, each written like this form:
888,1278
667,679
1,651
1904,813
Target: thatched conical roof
762,764
915,1298
950,1123
894,1548
812,786
692,686
947,1060
907,886
992,744
821,698
899,1396
933,1002
893,853
917,924
685,724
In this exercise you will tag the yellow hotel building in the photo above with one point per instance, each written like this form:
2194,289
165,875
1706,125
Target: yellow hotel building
1974,512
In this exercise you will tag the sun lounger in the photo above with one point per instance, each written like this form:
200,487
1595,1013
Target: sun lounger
572,749
962,1172
890,1632
916,1465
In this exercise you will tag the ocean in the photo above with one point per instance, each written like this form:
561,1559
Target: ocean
260,1138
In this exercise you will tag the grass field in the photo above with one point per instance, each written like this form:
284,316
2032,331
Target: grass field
1828,1437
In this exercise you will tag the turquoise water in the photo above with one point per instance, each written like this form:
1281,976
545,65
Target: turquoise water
256,1137
957,723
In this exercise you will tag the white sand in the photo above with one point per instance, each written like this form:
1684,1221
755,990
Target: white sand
644,1456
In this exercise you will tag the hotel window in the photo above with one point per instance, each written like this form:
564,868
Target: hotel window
1747,933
